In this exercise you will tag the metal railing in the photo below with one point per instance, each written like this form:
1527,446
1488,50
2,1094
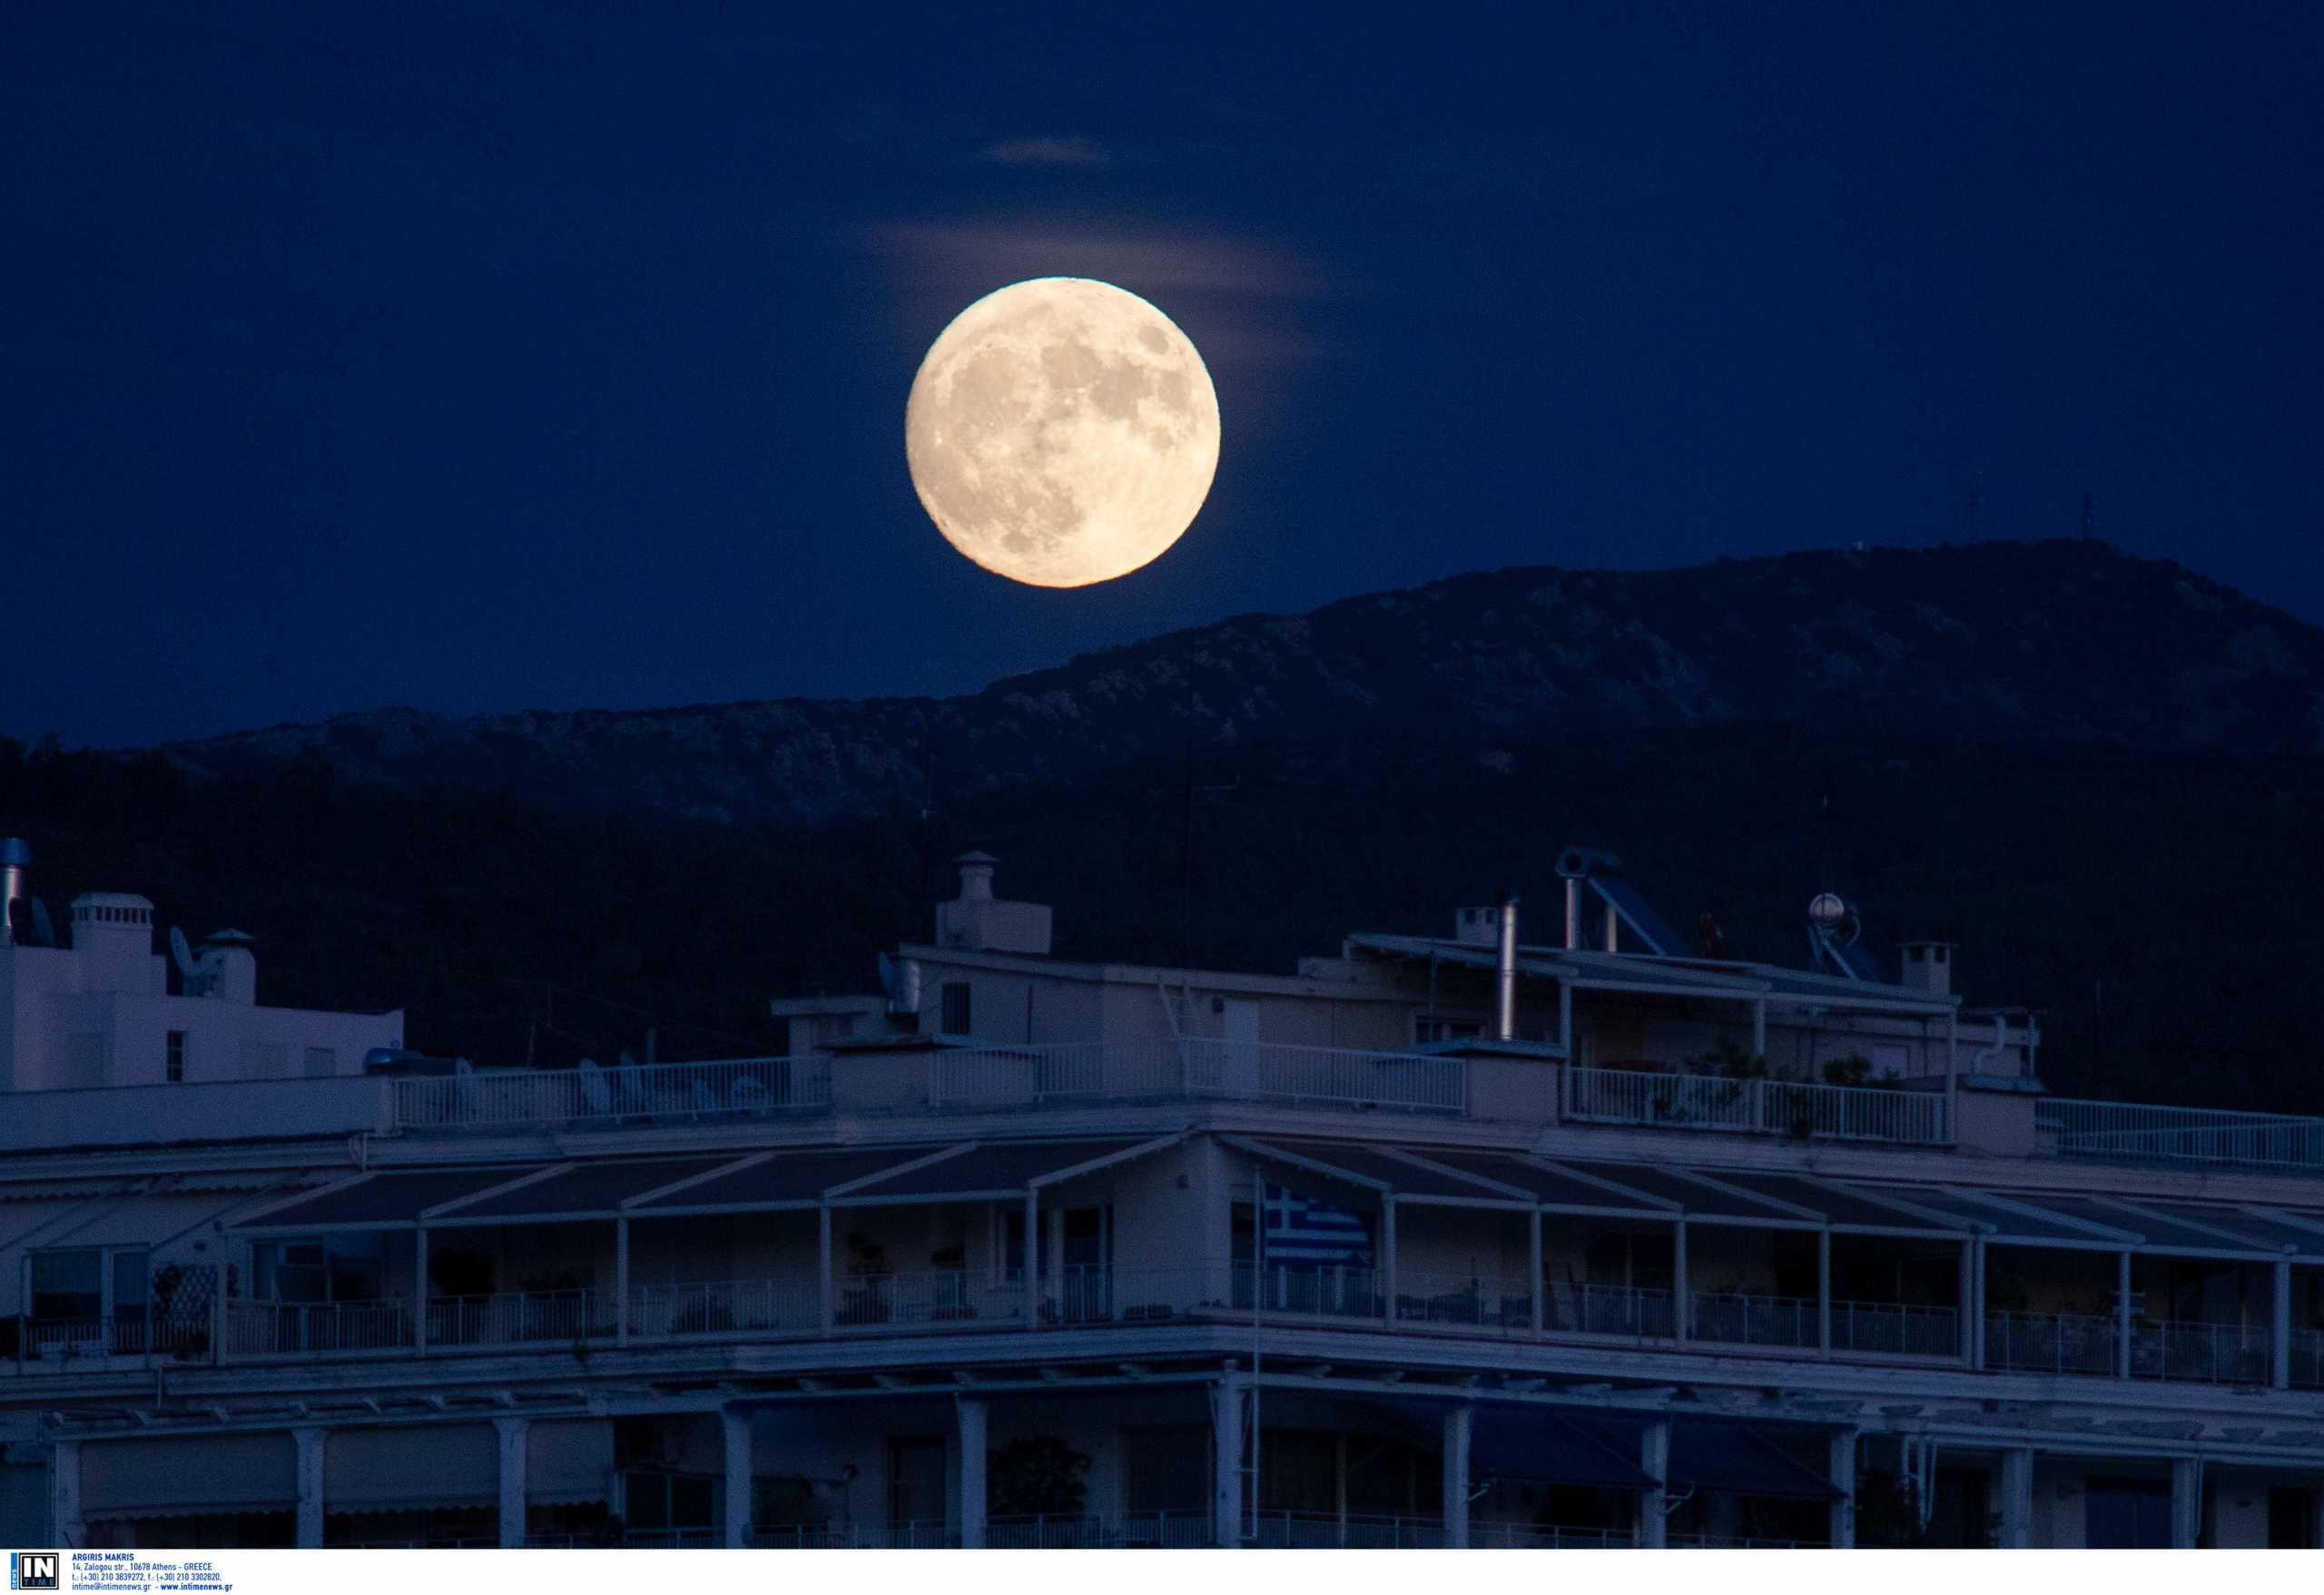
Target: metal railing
1636,1312
1746,1320
1733,1542
1164,1531
1039,1531
1756,1106
1196,1066
1322,1531
2051,1343
1331,1290
1463,1299
732,1088
2200,1353
1506,1536
1895,1328
276,1329
729,1306
512,1317
2173,1351
132,1334
2308,1359
2133,1132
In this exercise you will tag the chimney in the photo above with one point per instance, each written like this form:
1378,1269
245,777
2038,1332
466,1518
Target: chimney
16,860
978,922
1928,967
1504,1008
976,876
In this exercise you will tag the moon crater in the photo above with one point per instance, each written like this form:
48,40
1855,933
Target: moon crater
1062,432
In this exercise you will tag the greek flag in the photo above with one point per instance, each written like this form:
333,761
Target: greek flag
1300,1229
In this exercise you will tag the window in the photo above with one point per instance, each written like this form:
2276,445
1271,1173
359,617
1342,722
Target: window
916,1481
954,1020
1427,1028
2128,1515
337,1269
85,1285
174,1066
652,1500
322,1063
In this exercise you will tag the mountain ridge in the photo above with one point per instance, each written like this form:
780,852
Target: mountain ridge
2063,638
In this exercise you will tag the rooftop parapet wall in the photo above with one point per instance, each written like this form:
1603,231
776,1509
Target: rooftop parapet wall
160,1116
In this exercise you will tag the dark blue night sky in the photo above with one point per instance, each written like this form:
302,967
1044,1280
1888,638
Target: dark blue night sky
511,355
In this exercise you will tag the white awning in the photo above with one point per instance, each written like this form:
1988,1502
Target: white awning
188,1475
385,1469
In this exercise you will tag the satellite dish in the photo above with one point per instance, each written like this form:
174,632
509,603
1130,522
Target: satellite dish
198,979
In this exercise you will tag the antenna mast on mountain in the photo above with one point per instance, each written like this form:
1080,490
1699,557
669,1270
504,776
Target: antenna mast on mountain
2089,518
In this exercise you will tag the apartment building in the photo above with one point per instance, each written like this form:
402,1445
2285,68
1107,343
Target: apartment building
1577,1235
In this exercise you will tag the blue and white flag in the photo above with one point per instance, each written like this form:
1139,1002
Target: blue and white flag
1300,1229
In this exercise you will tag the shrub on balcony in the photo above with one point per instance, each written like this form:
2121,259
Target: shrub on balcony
1037,1477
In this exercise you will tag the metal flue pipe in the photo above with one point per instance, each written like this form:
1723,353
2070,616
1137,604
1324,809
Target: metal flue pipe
15,858
1572,913
1504,1008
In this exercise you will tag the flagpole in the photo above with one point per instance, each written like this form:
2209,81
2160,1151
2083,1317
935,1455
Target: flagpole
1258,1282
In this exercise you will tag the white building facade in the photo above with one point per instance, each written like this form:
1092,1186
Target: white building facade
1584,1240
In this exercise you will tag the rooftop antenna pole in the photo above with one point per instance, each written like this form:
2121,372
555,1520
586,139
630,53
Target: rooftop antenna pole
1187,852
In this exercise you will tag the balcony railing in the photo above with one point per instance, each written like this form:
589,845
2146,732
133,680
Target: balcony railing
738,1089
26,1339
1195,1067
1319,1530
1746,1320
1895,1329
512,1317
2051,1343
2131,1132
2177,1351
2308,1359
1503,1536
271,1329
724,1307
1732,1542
1756,1106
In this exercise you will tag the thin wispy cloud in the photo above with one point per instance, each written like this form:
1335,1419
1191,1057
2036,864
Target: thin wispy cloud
1074,151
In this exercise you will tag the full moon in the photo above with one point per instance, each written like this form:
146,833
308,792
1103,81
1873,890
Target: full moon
1062,432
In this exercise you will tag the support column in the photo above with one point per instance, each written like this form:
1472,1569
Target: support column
1681,1297
515,1440
2186,1503
1965,1296
824,1252
736,1430
2016,1500
309,1476
1824,1291
1842,1474
1031,1259
1226,1462
64,1495
621,1282
2122,1316
1760,1028
973,1448
1534,1240
1459,1423
1977,1304
1388,1253
2279,1334
420,1292
1654,1462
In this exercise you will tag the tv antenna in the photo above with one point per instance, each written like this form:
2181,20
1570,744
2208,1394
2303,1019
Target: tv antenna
200,979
